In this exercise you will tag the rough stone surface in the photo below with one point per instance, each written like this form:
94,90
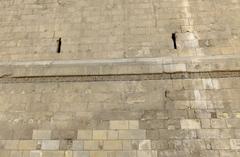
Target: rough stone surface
116,29
119,87
121,118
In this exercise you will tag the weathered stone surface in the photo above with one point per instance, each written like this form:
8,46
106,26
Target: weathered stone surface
28,144
190,124
132,134
112,134
235,143
99,134
113,145
93,145
50,144
149,38
119,124
77,145
81,154
142,78
41,134
85,134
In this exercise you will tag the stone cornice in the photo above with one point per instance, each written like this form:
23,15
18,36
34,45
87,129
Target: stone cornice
113,67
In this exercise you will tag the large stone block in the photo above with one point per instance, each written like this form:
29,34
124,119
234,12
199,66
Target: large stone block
147,153
42,134
81,154
98,154
53,154
77,145
208,133
119,124
220,144
93,145
84,134
132,134
99,134
50,144
35,153
235,143
112,134
10,144
190,124
113,145
28,145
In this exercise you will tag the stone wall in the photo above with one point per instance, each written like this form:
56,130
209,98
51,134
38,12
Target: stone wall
29,29
154,118
118,87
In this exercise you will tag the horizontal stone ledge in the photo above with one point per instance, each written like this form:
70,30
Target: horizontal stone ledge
119,66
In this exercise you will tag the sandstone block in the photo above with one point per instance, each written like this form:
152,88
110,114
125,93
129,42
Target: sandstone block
50,144
85,134
132,134
81,154
159,144
147,153
220,144
127,144
93,145
235,143
125,154
205,123
10,144
77,145
112,134
208,133
42,134
144,145
113,145
15,153
4,153
64,134
36,153
68,153
218,123
119,124
98,154
28,145
190,124
65,144
99,134
53,154
133,124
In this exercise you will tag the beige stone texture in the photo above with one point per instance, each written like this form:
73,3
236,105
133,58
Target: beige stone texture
99,134
35,153
98,154
235,144
112,134
28,144
133,124
133,78
112,145
50,144
190,124
41,134
93,145
119,124
85,134
132,134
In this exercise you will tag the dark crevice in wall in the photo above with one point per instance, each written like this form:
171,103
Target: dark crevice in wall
123,77
174,38
59,41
